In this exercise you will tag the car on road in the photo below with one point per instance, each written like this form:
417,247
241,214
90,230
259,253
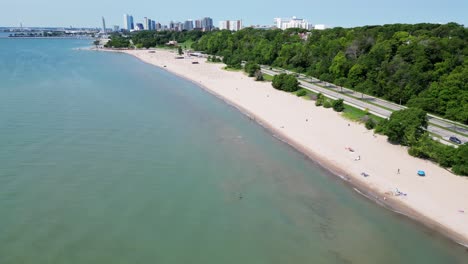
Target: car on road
455,140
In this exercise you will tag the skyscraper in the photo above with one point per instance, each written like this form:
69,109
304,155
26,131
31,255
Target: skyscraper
207,24
233,25
188,25
153,25
128,22
198,24
224,24
145,23
103,25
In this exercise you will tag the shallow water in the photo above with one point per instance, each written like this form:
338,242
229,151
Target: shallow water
105,159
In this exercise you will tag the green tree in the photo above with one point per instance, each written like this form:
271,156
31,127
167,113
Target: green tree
251,68
179,50
370,124
285,82
406,126
338,105
320,99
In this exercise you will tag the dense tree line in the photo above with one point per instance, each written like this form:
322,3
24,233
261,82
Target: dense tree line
150,39
421,65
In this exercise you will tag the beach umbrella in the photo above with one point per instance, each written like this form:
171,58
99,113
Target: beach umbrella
421,173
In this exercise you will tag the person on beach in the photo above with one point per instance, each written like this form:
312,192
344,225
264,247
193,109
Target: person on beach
398,172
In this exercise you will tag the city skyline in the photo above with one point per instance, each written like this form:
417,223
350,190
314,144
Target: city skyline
331,13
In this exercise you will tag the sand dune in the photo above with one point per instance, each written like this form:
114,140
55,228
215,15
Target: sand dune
439,200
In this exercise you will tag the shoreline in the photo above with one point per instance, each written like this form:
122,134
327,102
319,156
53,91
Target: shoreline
332,167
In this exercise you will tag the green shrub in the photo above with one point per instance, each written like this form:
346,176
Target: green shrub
370,124
285,82
319,100
251,68
302,92
338,105
327,103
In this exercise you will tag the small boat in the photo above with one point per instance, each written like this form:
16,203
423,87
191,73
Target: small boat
421,173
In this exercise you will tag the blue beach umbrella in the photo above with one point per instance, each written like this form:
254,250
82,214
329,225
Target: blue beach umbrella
421,173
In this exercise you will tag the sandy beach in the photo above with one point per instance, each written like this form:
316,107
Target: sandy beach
439,200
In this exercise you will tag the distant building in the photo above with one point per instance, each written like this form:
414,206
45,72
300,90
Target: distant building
139,26
153,25
128,22
188,25
233,25
116,28
224,25
103,25
285,23
207,24
158,26
146,23
198,24
320,27
176,26
265,27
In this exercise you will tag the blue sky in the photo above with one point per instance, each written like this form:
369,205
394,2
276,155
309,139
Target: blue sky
87,13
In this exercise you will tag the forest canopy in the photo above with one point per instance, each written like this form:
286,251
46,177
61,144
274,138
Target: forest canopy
421,65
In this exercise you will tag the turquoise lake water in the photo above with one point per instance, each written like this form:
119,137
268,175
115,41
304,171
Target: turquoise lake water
105,159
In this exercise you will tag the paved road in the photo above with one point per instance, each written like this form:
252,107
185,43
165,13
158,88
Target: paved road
375,105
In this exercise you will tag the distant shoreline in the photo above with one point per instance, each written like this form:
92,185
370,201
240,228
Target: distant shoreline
322,150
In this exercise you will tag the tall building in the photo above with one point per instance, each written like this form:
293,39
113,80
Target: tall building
207,24
224,25
293,22
153,25
233,25
139,26
147,23
103,25
128,22
188,25
116,28
178,26
198,24
158,26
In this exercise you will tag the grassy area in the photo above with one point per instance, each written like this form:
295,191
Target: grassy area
356,114
267,77
187,44
307,92
357,98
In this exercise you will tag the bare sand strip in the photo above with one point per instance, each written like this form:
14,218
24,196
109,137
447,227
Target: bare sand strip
439,200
